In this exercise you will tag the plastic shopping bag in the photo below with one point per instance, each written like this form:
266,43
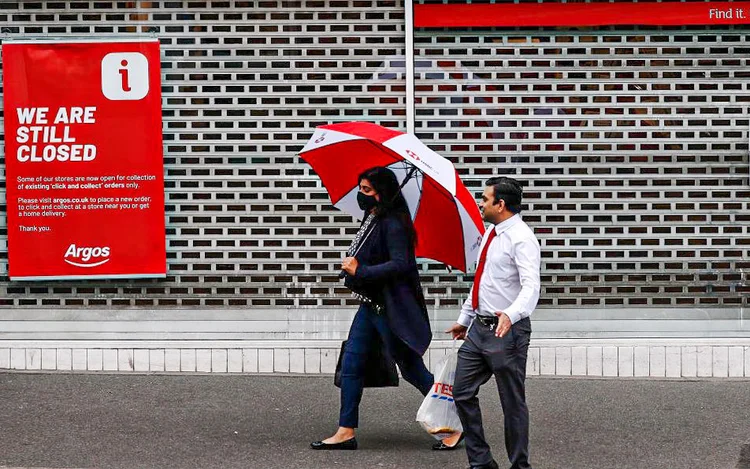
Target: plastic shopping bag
437,414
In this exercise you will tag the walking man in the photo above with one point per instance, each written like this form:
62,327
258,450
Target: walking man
496,315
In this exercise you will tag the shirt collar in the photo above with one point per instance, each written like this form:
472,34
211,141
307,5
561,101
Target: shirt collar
504,226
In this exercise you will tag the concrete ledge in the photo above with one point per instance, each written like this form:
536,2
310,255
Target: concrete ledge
656,358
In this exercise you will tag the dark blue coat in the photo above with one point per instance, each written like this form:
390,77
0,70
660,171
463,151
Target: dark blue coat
388,274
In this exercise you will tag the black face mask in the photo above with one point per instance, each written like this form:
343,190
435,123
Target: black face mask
366,202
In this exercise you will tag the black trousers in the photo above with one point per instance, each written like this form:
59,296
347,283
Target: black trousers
480,357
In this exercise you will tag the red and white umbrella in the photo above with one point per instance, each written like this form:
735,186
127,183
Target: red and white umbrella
448,223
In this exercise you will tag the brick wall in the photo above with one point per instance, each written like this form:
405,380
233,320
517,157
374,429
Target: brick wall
633,144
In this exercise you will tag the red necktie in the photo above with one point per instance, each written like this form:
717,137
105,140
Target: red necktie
480,270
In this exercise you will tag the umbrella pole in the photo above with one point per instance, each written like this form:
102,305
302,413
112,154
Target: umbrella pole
408,176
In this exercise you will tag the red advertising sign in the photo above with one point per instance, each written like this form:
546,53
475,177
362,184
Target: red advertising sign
84,160
669,13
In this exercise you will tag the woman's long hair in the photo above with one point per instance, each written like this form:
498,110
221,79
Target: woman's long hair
384,182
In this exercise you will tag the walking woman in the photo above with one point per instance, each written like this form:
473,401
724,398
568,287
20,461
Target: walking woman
392,314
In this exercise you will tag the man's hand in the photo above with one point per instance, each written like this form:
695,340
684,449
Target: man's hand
503,324
457,331
349,265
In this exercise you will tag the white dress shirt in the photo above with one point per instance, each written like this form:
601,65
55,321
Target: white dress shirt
510,280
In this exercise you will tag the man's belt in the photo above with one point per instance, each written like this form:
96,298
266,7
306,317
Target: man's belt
488,321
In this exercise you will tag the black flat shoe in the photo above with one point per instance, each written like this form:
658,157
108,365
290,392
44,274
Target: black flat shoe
346,445
440,446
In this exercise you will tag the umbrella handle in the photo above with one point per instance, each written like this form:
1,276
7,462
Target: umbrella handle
409,175
342,274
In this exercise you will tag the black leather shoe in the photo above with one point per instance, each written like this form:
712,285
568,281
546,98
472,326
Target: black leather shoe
348,444
440,446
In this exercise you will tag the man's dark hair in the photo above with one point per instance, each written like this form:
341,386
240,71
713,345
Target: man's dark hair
509,190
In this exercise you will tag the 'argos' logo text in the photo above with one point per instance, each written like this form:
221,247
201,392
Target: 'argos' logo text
85,256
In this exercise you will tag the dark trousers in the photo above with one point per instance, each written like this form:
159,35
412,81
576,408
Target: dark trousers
366,328
480,357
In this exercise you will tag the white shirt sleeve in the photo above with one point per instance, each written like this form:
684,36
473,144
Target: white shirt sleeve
467,313
527,255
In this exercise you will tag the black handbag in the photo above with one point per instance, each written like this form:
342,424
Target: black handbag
380,369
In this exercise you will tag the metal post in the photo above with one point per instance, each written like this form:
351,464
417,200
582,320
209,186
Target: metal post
409,18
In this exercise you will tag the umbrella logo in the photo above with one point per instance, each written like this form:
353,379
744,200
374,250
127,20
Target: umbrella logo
321,138
424,162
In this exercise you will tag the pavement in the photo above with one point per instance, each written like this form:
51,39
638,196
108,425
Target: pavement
98,420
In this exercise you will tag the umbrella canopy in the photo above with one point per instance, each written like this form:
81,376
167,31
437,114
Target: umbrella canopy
448,223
